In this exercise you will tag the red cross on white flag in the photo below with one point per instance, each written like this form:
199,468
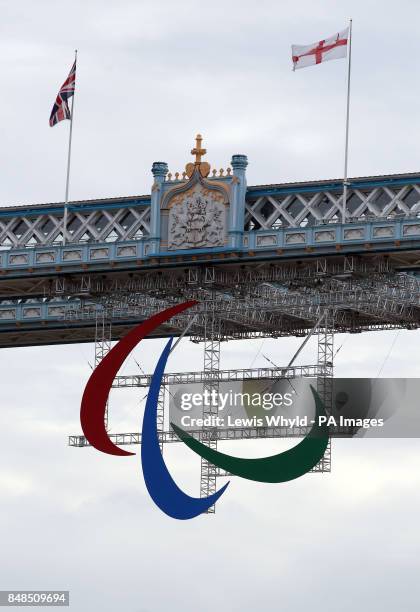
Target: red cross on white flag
331,48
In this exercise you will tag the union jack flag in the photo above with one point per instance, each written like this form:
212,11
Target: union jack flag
61,108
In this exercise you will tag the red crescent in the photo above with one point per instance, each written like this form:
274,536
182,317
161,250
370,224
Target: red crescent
95,395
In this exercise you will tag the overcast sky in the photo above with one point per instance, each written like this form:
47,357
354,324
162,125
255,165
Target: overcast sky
150,76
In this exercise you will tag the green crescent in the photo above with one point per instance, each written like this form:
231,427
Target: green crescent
283,467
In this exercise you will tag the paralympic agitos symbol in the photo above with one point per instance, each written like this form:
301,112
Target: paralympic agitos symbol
162,488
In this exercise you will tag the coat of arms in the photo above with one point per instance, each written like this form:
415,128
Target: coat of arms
196,219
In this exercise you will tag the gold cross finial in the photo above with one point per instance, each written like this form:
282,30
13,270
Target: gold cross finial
198,151
201,166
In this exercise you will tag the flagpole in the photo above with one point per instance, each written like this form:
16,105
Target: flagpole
346,150
68,164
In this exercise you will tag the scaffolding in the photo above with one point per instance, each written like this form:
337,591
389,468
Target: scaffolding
103,344
211,386
325,378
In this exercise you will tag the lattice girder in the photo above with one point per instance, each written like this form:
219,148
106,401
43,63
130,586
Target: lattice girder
82,226
312,208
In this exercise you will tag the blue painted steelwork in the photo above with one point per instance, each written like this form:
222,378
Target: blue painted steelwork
84,205
300,219
252,192
113,238
374,235
249,194
333,185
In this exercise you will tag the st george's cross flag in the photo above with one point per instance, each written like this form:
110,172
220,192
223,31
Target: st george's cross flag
331,48
61,108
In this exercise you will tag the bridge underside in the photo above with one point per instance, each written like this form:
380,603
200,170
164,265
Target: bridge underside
270,297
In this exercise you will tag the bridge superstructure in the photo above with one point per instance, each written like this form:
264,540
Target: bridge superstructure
261,261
